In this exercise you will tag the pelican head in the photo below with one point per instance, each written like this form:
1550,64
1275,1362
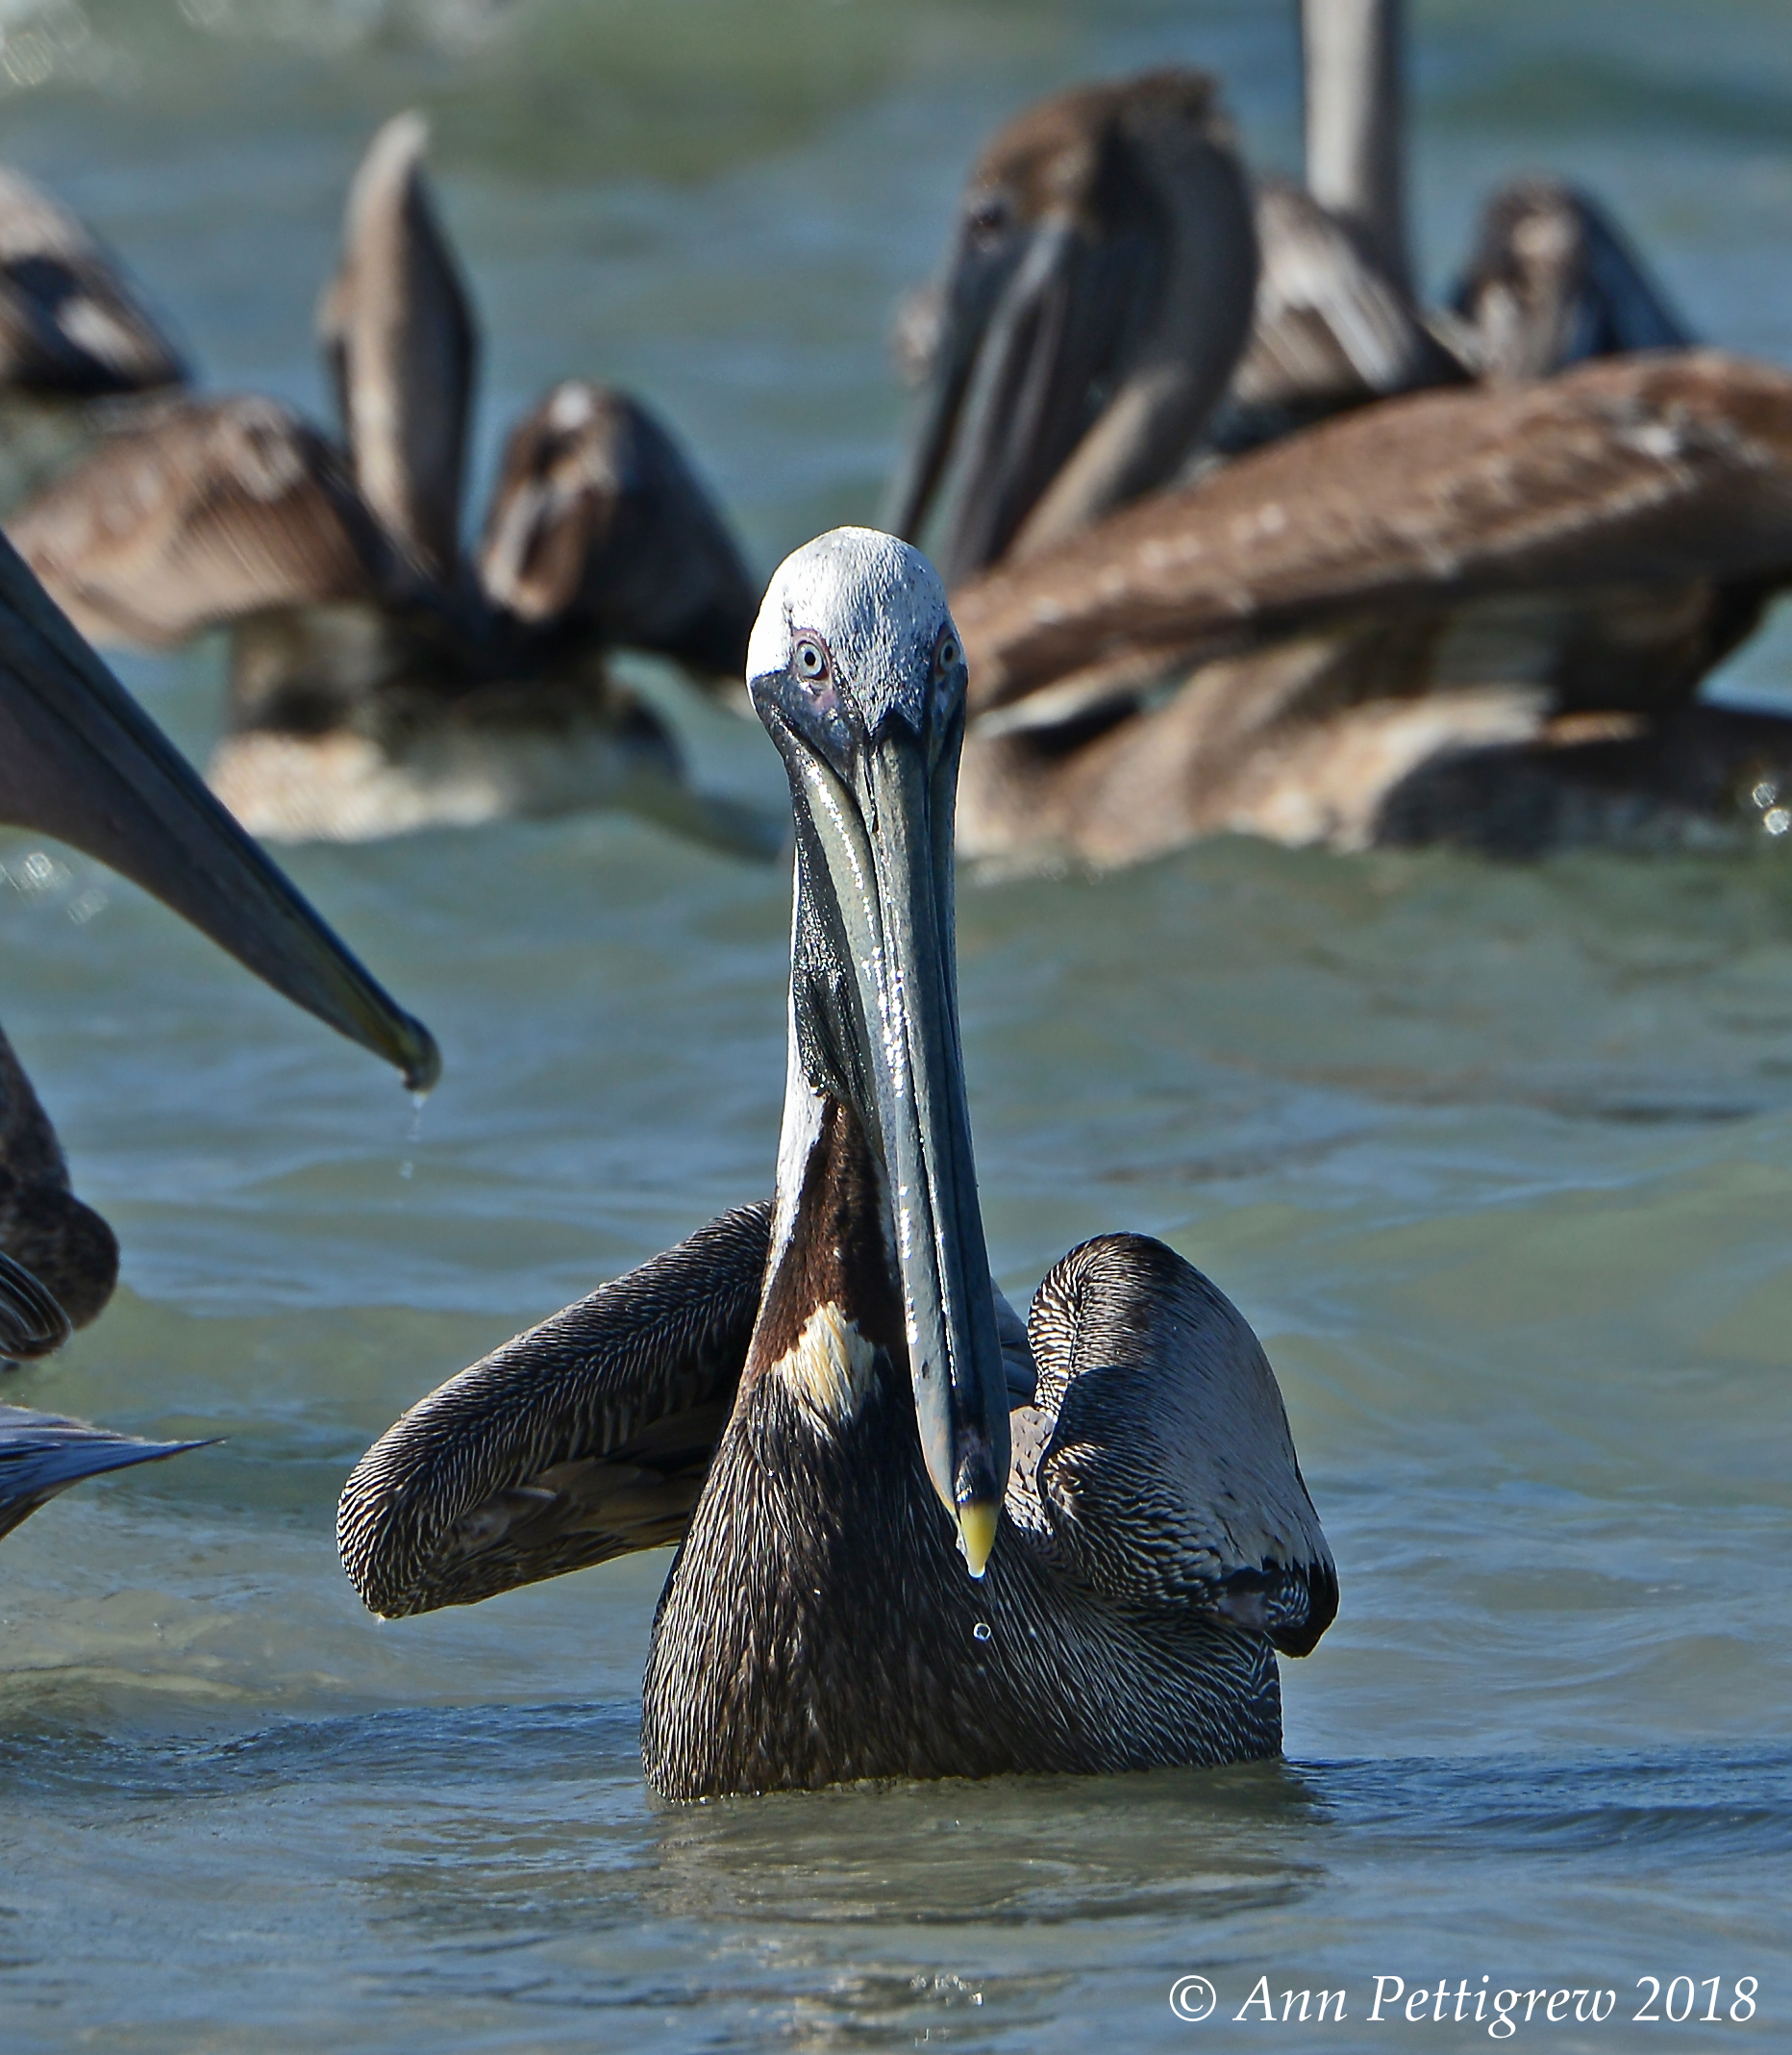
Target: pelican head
858,672
1097,295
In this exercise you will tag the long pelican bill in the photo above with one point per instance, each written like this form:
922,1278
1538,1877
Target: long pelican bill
871,740
80,760
1097,297
1024,323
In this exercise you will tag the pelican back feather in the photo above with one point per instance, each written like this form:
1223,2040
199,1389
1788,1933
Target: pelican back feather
199,512
1633,471
1165,1473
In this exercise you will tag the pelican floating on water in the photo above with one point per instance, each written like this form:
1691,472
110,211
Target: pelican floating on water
916,1539
80,760
1552,281
1477,614
378,682
71,322
1120,302
73,331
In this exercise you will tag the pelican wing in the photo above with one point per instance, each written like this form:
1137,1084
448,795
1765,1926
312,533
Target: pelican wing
599,521
68,322
1330,330
203,511
1161,1462
585,1437
1555,281
1627,471
41,1454
400,339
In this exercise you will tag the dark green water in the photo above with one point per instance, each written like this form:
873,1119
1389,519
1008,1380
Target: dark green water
1498,1161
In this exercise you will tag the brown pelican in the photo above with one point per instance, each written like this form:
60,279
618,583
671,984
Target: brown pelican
80,760
1075,231
916,1538
73,331
1477,614
378,681
1118,301
1552,281
70,324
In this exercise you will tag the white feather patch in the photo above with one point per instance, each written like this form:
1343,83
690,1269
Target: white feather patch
830,1367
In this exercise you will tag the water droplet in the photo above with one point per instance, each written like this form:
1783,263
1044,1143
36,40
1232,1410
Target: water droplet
980,1632
418,1101
407,1170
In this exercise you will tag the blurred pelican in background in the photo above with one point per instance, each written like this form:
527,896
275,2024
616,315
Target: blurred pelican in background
379,681
1476,613
73,331
1332,322
71,322
1552,280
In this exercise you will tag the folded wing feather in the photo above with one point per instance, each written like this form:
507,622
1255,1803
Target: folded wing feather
585,1437
1161,1465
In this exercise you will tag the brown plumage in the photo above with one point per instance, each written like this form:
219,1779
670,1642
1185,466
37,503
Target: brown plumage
1630,472
377,680
70,324
1280,648
202,512
822,1400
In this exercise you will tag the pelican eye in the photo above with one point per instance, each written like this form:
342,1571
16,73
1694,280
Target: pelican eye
809,659
986,221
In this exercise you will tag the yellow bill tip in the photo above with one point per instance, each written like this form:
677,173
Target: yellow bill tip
977,1523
